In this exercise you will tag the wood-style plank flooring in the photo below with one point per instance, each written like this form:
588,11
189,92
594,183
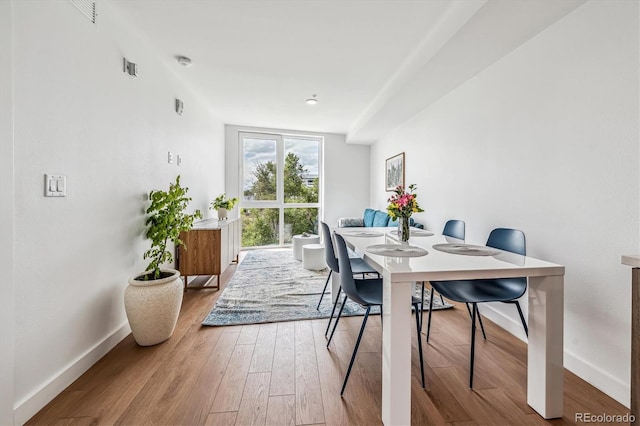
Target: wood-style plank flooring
283,374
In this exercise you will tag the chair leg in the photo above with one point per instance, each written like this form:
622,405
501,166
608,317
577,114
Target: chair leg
418,324
333,311
421,306
441,299
479,319
355,349
430,310
473,344
324,289
524,323
344,302
381,322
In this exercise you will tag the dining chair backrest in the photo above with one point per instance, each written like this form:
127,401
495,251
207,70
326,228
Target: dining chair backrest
347,282
508,239
454,228
329,252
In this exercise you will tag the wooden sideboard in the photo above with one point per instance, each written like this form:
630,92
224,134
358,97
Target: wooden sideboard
211,246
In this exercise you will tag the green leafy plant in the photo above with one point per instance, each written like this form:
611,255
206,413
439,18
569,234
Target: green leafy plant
222,202
165,222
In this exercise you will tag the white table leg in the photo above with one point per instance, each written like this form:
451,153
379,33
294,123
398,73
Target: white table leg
545,361
396,352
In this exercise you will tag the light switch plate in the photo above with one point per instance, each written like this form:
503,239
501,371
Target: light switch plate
55,185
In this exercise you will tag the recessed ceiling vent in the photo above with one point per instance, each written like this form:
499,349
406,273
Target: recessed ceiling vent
87,7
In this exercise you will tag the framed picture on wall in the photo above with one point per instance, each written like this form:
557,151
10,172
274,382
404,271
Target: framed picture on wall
394,172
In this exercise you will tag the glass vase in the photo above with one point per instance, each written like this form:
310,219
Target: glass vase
403,229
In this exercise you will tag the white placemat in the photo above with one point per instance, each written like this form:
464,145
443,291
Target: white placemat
397,250
362,233
466,249
414,232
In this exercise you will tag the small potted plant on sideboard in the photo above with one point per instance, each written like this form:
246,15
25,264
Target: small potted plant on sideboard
223,204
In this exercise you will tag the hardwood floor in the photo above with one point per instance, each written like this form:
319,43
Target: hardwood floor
283,374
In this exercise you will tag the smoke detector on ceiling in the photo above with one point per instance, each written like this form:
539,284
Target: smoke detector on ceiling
184,61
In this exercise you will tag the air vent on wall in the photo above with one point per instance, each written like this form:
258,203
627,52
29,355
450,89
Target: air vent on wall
87,7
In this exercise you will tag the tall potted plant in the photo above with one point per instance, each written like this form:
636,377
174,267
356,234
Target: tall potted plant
223,204
153,298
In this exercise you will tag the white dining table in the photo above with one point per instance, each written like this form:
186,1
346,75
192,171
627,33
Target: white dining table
399,274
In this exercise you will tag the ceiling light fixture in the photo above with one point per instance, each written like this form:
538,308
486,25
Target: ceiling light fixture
184,61
312,101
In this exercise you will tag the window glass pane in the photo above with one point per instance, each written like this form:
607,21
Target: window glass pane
299,220
260,227
301,170
260,169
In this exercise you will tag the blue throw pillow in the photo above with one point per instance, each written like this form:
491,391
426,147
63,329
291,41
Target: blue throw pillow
380,218
392,222
368,217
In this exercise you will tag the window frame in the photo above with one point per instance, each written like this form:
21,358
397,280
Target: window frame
279,203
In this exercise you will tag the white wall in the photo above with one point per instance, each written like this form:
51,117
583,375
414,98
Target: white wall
78,114
546,140
346,170
7,312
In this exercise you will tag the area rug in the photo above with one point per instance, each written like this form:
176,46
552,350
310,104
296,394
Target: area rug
271,286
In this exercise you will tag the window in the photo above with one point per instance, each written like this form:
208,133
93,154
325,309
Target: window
281,181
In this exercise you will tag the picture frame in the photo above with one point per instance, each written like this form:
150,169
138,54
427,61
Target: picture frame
394,172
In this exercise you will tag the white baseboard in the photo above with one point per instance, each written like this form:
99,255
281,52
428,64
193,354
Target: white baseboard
595,376
590,373
31,404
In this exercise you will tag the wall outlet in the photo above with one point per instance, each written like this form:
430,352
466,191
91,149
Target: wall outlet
170,157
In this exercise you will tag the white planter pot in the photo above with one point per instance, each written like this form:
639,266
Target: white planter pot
222,214
153,306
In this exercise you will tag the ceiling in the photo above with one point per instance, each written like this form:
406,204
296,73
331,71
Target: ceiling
372,63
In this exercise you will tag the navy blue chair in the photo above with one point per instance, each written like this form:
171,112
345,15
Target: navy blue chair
456,229
358,266
506,290
367,293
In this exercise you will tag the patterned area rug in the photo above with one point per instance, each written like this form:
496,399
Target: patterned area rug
271,286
